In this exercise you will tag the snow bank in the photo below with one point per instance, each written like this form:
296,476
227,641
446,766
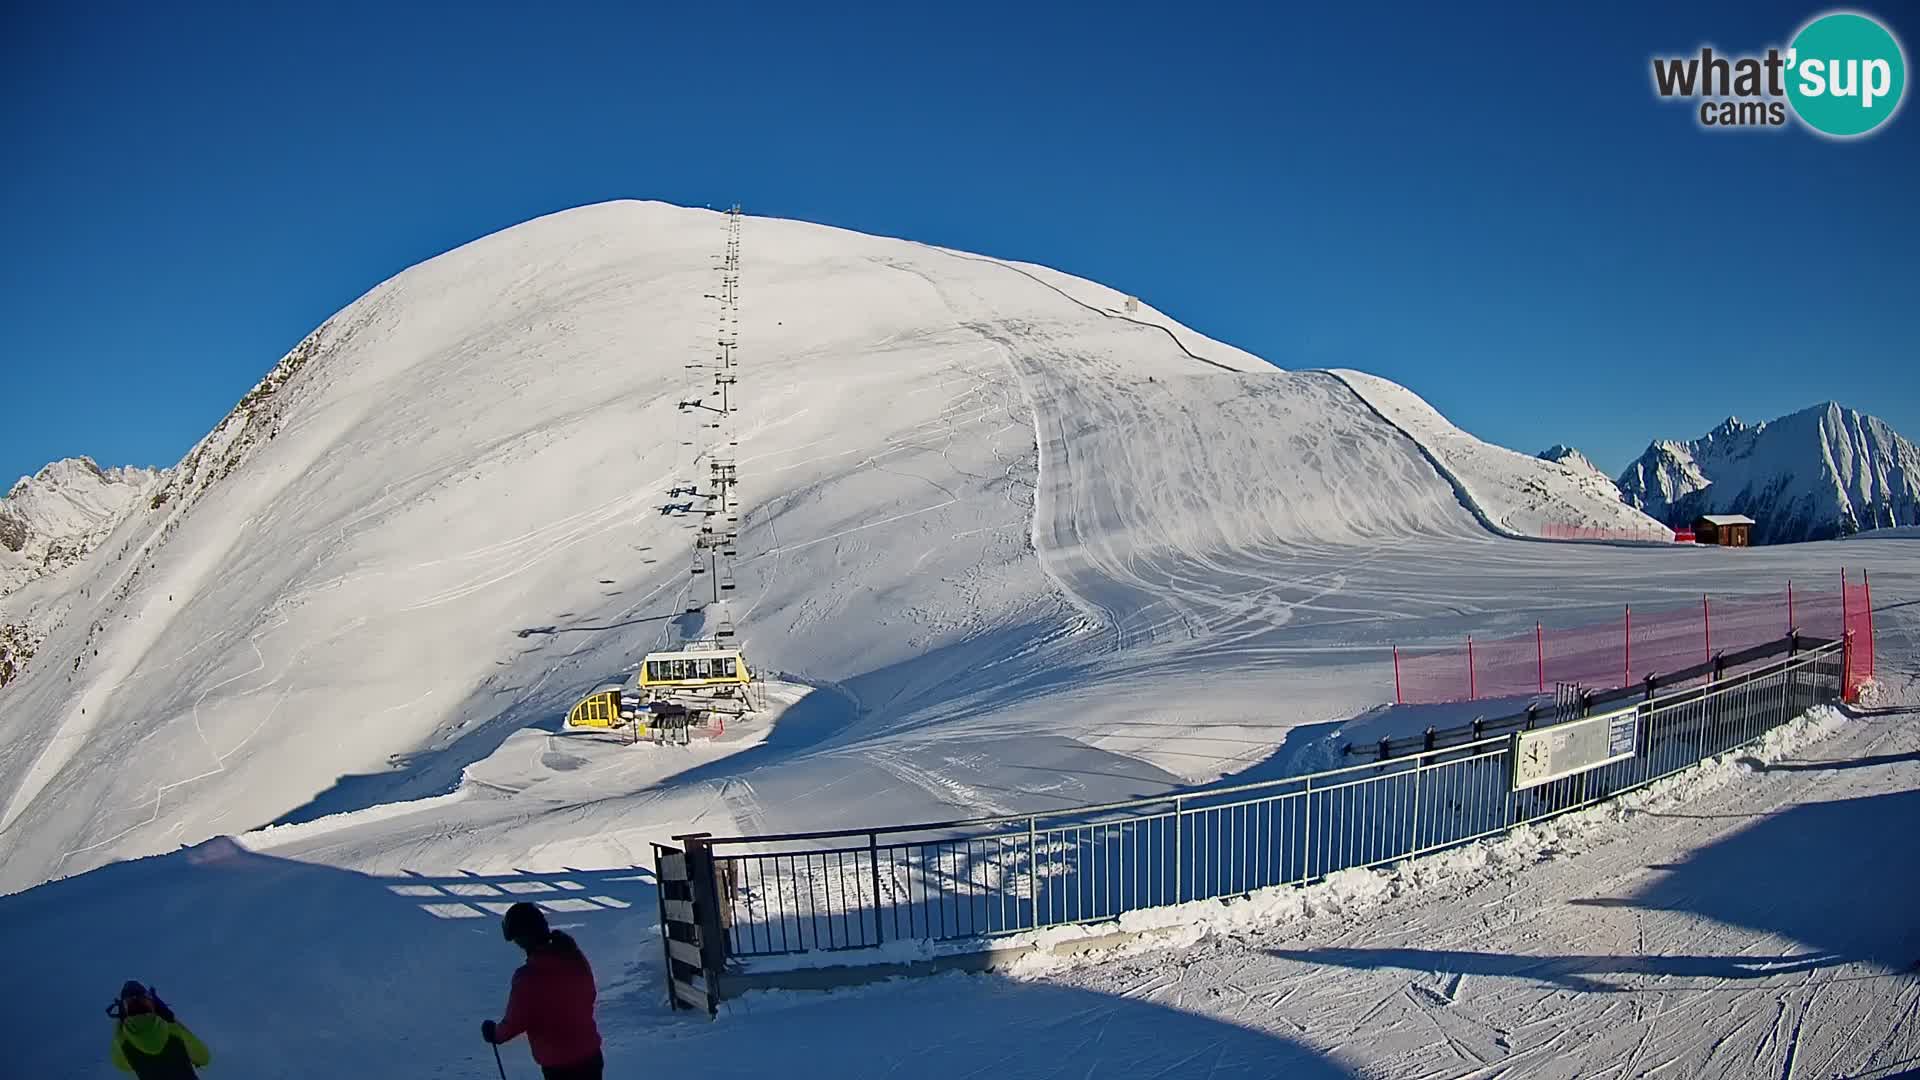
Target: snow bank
1898,532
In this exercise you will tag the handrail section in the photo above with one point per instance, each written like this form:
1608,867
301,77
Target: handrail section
976,879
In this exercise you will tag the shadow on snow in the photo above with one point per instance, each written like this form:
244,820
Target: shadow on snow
1809,875
293,969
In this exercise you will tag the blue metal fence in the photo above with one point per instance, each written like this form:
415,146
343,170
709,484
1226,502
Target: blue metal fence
989,877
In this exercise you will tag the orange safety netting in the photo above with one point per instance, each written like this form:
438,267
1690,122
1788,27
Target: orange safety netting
1641,642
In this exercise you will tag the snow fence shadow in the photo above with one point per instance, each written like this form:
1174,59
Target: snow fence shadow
290,969
1811,875
973,1027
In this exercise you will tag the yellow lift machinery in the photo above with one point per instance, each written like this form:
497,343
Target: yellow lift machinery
704,684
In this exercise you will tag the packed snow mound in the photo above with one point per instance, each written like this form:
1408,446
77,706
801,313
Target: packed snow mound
1819,473
439,521
1510,492
52,519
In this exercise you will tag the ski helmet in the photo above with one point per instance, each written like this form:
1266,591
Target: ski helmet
134,999
524,924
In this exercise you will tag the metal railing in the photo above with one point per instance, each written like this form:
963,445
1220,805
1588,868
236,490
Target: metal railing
987,877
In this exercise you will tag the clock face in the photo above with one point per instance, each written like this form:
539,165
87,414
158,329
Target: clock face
1534,760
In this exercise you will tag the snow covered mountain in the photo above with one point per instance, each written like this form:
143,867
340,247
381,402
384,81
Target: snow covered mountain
1510,493
49,522
52,519
1818,473
1009,544
1561,454
969,485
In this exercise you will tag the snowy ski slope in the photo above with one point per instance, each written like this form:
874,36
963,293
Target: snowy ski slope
449,528
1007,546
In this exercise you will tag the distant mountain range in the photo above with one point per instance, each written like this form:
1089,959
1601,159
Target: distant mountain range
1815,474
52,519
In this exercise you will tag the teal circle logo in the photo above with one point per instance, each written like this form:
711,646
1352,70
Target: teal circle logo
1846,74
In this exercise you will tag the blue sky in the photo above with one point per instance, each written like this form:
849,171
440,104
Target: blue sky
1487,205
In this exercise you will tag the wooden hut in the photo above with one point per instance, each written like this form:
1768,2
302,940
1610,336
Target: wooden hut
1725,530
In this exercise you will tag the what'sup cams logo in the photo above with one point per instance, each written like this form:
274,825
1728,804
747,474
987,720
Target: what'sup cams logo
1843,76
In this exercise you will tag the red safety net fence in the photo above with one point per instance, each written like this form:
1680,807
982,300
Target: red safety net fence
1557,531
1641,642
1857,612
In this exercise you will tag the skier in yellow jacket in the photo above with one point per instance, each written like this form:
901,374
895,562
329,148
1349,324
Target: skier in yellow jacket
149,1041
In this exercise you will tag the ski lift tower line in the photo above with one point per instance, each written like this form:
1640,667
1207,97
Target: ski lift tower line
713,406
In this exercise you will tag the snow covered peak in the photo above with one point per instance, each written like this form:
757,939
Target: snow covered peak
1562,454
76,474
1821,472
52,519
1728,428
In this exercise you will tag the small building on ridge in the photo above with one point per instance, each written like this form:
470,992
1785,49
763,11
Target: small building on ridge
1725,530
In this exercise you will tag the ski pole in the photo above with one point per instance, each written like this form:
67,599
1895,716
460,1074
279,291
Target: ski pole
497,1063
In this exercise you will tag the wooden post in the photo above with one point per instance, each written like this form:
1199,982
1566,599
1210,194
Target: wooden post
1791,624
1398,699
